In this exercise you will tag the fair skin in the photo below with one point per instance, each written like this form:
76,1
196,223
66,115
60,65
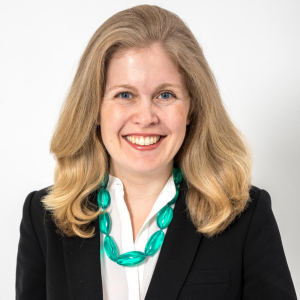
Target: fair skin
143,109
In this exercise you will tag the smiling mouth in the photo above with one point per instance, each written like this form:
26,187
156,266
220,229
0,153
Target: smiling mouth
143,141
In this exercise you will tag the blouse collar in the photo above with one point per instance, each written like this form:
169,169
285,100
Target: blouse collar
166,195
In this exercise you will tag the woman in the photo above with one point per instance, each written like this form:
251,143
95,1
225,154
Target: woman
152,196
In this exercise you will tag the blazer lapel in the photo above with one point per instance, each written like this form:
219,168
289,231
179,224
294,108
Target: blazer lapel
82,264
177,253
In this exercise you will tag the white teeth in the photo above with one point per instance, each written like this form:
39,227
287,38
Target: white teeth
143,141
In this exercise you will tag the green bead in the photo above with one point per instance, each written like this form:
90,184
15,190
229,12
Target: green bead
103,198
104,180
154,243
104,223
110,248
177,175
131,258
164,217
175,197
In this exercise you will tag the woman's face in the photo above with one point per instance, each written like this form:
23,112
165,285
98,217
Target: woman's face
145,97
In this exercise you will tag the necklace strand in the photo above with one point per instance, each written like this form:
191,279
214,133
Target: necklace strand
164,218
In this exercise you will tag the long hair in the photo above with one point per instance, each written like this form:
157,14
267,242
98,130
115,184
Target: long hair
215,157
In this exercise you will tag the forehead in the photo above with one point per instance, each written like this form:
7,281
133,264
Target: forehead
143,67
154,50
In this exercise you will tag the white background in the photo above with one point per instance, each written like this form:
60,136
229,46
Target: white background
252,46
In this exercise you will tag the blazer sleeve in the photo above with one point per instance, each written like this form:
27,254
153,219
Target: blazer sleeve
31,267
266,274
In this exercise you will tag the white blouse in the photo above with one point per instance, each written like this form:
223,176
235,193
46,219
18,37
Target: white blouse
122,282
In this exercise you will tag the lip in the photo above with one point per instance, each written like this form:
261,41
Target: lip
144,134
145,148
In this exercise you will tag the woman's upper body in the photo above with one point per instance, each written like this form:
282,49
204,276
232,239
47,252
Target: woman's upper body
144,101
246,261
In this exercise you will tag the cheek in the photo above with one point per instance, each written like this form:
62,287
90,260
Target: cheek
175,120
112,118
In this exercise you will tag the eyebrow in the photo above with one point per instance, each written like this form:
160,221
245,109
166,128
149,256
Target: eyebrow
128,86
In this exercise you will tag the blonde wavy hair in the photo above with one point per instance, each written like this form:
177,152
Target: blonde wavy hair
215,157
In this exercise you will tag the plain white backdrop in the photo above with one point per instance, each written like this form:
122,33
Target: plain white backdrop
252,47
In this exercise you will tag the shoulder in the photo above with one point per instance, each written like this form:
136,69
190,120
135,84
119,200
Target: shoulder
262,216
33,204
259,200
256,211
35,216
259,193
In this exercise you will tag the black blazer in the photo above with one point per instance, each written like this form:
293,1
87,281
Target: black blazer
247,261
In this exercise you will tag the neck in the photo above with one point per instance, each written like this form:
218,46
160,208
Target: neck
142,190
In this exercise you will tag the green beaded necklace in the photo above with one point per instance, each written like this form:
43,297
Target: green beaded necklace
164,218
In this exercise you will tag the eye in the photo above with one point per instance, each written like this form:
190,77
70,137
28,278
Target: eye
165,95
123,93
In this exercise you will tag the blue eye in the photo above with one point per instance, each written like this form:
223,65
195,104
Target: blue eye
166,93
123,94
163,97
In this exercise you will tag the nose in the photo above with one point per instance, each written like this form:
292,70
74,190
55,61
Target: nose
146,113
